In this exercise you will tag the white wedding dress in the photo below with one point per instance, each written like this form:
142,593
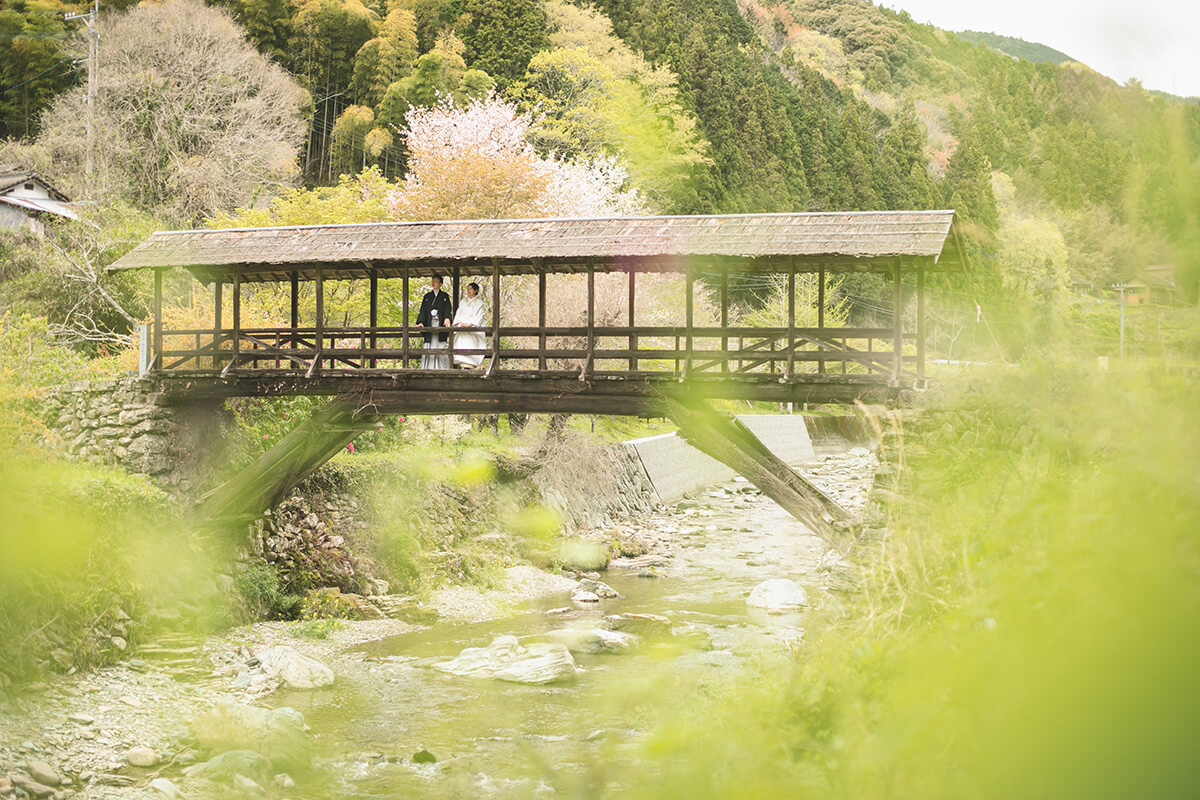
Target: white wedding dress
470,312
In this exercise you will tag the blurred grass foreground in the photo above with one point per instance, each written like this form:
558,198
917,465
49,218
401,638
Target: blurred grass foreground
1025,623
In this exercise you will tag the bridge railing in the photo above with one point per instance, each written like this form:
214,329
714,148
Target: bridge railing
610,350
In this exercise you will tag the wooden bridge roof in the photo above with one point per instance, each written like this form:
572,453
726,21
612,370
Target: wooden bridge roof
861,241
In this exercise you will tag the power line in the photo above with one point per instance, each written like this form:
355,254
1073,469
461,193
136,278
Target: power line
35,77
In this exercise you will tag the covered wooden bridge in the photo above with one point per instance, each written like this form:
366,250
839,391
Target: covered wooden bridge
530,364
621,349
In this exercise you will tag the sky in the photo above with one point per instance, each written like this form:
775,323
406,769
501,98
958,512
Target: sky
1155,41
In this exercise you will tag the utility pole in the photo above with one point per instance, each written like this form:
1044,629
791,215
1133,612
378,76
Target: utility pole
1121,288
92,17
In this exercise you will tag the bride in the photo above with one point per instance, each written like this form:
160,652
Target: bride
469,313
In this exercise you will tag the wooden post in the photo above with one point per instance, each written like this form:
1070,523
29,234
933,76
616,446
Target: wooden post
691,285
404,318
456,295
295,309
542,321
897,324
218,291
588,364
633,338
821,319
791,340
495,365
374,312
237,319
920,324
319,336
724,318
156,358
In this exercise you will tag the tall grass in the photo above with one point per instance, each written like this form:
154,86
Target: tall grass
1026,626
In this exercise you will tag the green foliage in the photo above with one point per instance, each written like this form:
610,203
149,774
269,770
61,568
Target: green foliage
260,594
502,36
34,64
1029,609
81,550
1017,48
355,198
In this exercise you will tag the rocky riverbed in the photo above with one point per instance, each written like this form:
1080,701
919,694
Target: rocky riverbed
507,692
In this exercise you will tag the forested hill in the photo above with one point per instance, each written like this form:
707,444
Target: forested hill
1018,48
728,106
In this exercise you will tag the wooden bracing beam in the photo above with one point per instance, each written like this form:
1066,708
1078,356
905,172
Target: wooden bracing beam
271,476
729,441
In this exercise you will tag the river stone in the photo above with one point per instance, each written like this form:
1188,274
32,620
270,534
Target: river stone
141,757
777,594
598,588
225,767
506,660
166,788
640,624
580,596
294,668
42,772
32,787
593,640
277,734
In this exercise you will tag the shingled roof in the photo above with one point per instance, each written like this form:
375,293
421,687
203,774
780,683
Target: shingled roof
863,240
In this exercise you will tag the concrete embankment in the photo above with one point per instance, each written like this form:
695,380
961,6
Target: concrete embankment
673,468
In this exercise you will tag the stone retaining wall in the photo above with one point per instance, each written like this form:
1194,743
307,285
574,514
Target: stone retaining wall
126,422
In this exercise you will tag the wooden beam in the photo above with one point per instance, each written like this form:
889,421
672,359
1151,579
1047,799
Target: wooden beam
541,320
897,324
158,325
237,321
691,291
404,318
295,280
821,313
920,324
455,286
591,321
791,319
729,441
724,313
374,313
633,339
218,291
319,335
494,367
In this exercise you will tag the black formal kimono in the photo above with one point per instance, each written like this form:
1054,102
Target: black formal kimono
439,301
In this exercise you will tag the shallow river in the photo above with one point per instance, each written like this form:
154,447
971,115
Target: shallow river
498,739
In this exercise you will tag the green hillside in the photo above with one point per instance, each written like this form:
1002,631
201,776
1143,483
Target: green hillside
1017,48
1059,174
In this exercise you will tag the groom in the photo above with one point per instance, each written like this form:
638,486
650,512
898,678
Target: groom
436,312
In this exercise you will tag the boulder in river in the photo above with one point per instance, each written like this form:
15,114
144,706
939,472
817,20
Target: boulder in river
600,589
294,668
640,624
777,594
506,659
581,596
278,734
593,640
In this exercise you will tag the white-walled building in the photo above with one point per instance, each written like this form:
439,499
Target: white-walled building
26,200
